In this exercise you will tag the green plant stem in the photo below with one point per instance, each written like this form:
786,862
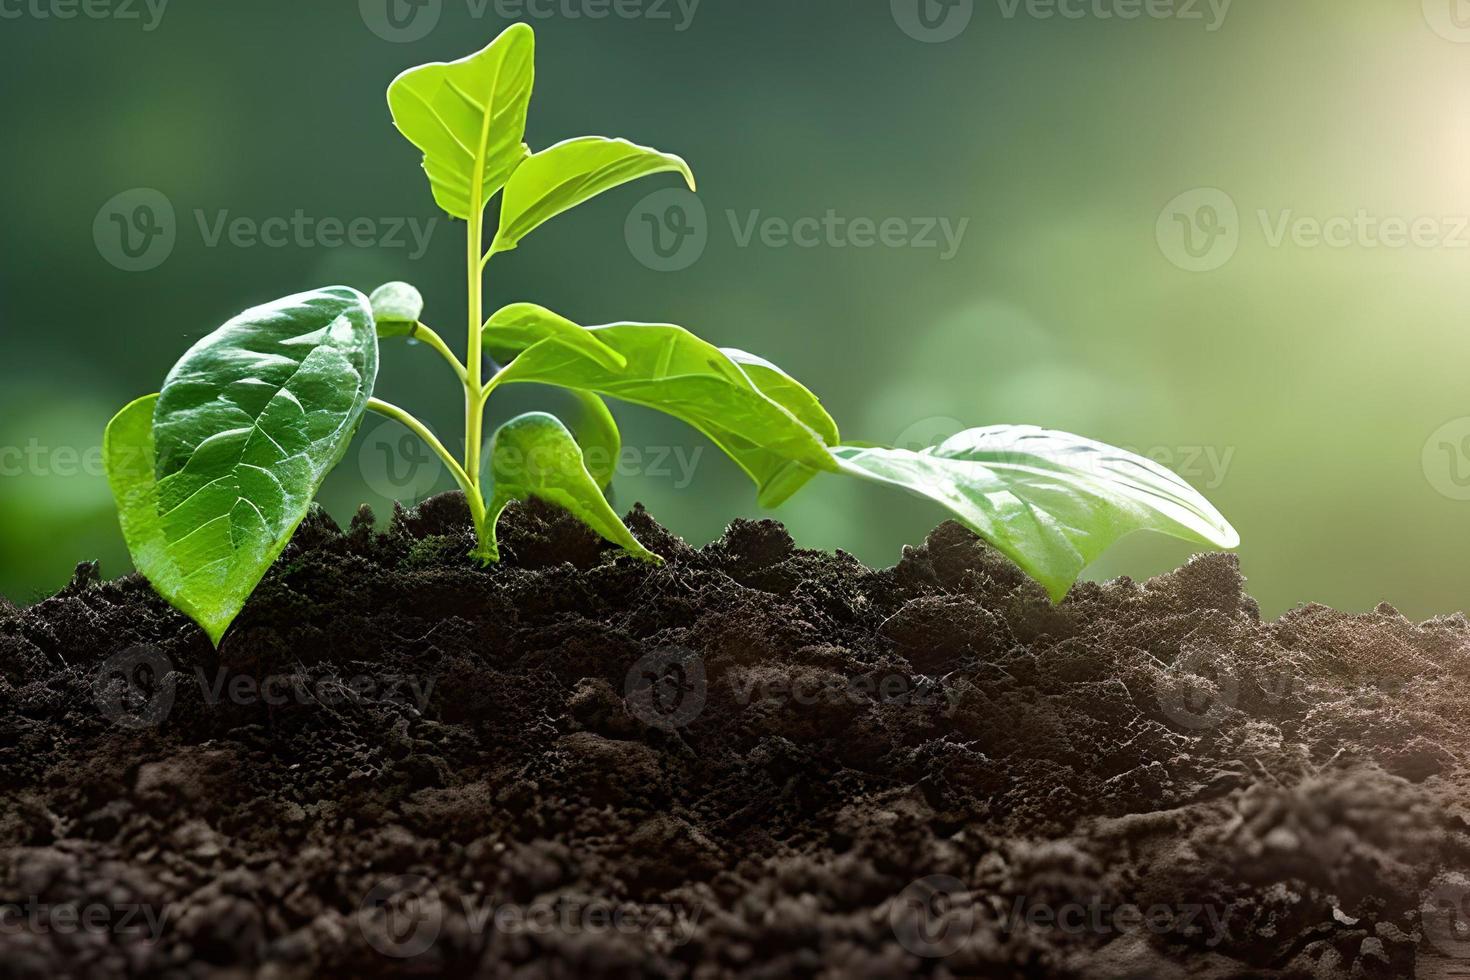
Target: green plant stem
422,332
474,403
471,491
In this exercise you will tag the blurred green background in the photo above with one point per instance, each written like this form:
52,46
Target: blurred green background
1314,387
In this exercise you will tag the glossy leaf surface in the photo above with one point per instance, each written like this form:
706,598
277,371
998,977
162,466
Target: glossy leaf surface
1052,502
535,456
248,425
772,427
469,118
568,174
397,308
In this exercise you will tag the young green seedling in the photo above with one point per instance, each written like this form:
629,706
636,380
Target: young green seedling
213,474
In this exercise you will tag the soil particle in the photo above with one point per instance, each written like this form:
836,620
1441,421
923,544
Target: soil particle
754,760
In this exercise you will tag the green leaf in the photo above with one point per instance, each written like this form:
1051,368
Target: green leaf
213,475
597,433
397,309
469,118
514,328
1052,502
535,456
773,428
782,478
568,174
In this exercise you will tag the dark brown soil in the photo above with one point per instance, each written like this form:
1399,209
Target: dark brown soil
754,761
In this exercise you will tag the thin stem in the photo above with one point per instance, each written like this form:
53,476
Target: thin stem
422,333
477,505
474,404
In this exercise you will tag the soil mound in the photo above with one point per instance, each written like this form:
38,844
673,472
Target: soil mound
753,761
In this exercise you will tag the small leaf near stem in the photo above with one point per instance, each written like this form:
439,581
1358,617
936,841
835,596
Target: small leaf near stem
397,307
535,456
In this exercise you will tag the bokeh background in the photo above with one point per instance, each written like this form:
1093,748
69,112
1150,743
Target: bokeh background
1137,196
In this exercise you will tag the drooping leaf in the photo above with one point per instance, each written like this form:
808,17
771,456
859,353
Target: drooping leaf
535,456
771,426
469,118
782,478
597,433
1052,502
248,424
513,328
397,309
568,174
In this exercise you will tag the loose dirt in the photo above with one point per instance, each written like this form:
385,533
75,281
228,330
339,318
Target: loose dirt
753,761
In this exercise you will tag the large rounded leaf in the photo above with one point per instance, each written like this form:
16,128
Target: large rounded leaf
213,475
1051,501
469,118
